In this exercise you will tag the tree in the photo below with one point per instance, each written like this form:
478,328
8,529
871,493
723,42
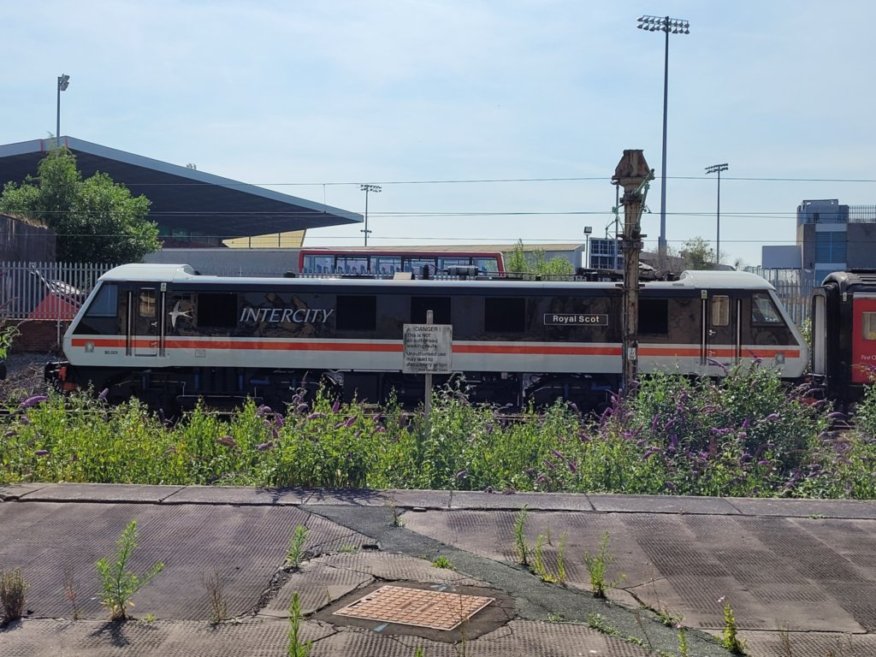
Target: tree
697,254
96,219
536,263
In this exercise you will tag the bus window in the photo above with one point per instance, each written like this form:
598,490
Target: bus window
318,264
352,265
416,265
489,265
387,265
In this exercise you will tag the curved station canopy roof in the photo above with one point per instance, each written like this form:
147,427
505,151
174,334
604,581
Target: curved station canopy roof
184,200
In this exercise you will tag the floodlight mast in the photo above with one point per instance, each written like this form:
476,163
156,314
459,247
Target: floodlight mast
63,83
376,189
718,168
675,26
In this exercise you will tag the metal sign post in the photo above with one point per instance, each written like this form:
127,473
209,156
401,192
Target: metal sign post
427,350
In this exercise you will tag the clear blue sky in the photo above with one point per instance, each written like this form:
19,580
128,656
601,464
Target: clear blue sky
301,95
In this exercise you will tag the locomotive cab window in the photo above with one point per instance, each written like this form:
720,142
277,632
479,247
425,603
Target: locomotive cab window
654,316
356,313
106,314
764,311
869,320
720,311
440,307
504,315
105,304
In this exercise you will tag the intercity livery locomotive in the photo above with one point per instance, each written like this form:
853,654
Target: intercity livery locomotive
170,336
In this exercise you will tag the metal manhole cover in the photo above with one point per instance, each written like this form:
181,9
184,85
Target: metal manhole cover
432,609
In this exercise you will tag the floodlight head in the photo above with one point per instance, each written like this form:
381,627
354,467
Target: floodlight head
63,82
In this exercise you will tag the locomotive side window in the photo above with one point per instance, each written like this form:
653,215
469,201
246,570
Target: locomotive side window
654,316
217,310
504,315
356,313
869,320
720,312
440,307
763,310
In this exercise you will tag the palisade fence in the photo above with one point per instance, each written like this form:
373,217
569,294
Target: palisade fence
45,290
792,290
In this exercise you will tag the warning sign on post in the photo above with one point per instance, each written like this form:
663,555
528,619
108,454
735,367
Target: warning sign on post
427,349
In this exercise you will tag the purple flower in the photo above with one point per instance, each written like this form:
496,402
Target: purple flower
302,407
263,410
314,416
336,406
573,467
33,401
103,395
42,452
228,441
772,417
350,421
264,447
651,451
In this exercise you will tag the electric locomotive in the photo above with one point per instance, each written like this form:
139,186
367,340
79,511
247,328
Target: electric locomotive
169,336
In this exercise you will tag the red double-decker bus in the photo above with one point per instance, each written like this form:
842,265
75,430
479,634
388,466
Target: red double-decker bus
387,261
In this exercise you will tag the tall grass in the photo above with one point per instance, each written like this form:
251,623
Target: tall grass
746,434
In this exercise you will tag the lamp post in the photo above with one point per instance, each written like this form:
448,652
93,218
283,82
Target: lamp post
368,189
63,83
587,258
718,168
674,26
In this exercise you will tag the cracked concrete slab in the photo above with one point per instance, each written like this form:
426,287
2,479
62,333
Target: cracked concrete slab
16,491
534,501
109,493
805,508
237,495
812,570
661,504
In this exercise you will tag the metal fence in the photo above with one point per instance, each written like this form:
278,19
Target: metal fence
45,290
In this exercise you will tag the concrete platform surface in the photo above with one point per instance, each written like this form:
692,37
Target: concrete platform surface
799,575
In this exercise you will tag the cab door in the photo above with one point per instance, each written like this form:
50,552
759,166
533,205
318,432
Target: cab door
721,332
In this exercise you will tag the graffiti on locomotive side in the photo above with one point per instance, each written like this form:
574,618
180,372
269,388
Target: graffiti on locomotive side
575,319
285,315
